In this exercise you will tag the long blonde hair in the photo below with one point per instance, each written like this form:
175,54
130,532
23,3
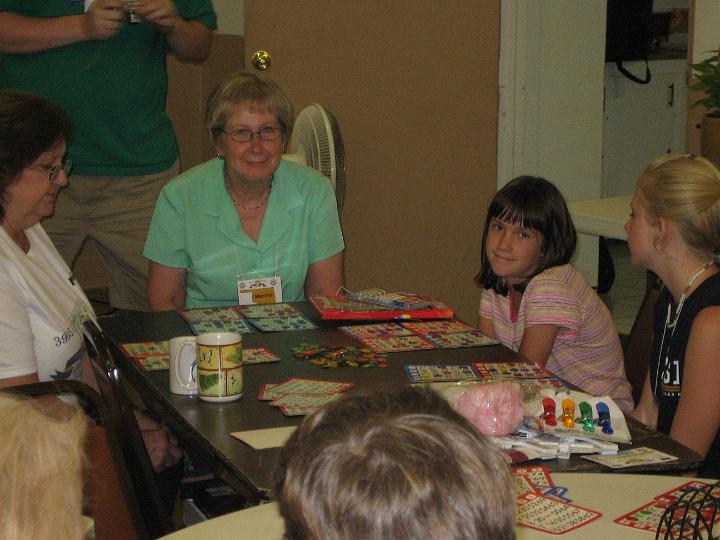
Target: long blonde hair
41,461
685,190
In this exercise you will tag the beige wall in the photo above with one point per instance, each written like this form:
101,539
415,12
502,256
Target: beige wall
414,88
188,88
230,14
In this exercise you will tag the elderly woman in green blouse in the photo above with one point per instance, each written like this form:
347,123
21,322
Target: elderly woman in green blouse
247,226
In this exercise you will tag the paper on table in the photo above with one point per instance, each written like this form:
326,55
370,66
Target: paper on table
260,439
633,457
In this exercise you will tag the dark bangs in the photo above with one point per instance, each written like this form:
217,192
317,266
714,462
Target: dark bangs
29,126
534,203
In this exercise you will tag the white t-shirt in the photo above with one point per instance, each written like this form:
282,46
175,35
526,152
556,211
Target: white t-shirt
40,311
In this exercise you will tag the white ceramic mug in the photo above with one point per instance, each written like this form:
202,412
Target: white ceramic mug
219,366
183,365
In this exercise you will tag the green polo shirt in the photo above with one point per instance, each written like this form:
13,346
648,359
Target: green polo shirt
195,227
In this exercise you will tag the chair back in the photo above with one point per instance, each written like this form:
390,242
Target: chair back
108,493
639,344
156,516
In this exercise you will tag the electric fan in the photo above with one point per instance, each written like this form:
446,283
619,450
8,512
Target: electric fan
316,142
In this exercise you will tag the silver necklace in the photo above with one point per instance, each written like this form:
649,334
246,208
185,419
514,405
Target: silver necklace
696,274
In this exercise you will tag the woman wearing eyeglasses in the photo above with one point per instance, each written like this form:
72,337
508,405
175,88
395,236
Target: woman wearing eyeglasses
246,227
41,305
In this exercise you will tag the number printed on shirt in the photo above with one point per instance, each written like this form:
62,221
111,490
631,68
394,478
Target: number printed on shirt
64,337
672,371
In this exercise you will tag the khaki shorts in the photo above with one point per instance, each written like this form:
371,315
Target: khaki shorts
114,213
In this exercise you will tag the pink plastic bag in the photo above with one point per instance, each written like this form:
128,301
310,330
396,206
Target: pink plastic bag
495,409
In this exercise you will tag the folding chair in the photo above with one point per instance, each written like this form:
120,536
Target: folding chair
156,515
110,498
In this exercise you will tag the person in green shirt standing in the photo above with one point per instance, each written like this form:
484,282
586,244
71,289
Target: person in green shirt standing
109,75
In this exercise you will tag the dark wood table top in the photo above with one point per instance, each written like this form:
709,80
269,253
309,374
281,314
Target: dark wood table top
206,427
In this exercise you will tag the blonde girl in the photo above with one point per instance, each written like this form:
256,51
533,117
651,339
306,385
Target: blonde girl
674,230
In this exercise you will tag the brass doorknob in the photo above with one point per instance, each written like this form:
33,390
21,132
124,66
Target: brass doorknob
261,60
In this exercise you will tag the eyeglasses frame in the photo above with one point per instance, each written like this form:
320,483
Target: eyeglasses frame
259,133
53,171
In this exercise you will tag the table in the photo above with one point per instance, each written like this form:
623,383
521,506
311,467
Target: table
605,218
602,217
206,427
597,492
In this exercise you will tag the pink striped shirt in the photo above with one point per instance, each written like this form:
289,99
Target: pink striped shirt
587,350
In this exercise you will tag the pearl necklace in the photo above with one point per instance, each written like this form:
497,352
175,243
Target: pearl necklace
248,208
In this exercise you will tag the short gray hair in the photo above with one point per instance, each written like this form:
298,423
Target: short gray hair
247,88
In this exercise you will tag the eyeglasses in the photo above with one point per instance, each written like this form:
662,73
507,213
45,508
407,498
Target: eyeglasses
243,135
53,170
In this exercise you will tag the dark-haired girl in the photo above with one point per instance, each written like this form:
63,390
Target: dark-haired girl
535,302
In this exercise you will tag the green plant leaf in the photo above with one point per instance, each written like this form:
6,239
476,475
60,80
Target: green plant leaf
707,80
702,68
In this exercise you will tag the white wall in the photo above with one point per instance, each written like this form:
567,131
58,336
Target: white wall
552,64
551,87
230,15
570,100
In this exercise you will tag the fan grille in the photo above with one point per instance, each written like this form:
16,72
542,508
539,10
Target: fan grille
316,136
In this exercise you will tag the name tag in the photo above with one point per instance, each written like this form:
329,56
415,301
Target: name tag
259,291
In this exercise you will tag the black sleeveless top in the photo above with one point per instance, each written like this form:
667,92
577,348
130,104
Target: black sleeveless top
666,365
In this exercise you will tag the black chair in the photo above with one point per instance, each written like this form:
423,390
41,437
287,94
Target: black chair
639,345
155,513
109,493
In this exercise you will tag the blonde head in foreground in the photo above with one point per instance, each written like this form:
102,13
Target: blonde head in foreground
41,461
393,464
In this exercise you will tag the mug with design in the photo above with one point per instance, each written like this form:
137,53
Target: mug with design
219,366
